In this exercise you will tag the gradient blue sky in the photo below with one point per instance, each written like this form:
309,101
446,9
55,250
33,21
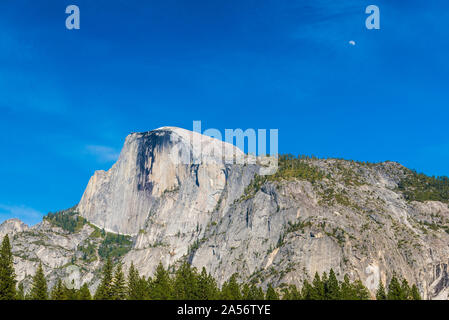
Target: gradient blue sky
69,98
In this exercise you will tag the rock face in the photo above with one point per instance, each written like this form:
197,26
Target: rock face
173,193
151,166
55,248
11,227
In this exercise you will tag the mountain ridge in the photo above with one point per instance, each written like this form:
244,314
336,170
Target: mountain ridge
312,215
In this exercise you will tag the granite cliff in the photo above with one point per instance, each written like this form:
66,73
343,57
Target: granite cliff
171,196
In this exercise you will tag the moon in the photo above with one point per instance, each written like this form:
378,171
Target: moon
352,42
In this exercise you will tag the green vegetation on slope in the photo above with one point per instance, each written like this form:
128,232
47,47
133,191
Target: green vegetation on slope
419,187
68,220
289,167
112,245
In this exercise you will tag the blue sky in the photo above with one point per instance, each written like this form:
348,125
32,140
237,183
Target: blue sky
69,98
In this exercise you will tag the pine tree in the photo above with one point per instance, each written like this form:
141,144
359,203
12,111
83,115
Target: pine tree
104,290
294,292
306,290
186,283
39,289
119,284
347,290
161,286
380,293
84,293
324,280
415,293
284,295
405,290
20,294
394,289
271,293
70,293
7,275
318,288
260,295
332,287
360,291
231,289
136,285
144,289
58,292
246,289
252,292
207,286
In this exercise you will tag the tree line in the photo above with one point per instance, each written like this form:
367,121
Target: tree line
186,283
420,187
